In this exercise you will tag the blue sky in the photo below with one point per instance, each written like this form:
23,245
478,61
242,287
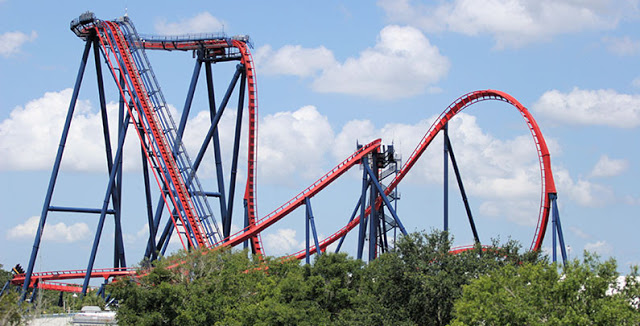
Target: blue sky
332,74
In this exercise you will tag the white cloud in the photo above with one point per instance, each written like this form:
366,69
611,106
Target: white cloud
579,232
622,45
58,232
141,234
504,174
203,22
403,63
294,143
11,42
631,200
602,248
282,242
30,136
293,60
607,167
512,23
582,191
591,107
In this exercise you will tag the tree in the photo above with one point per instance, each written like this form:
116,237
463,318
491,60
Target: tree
534,294
10,312
420,281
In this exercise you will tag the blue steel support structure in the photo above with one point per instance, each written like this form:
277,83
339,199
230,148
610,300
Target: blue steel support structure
557,230
463,193
445,178
234,158
152,251
376,221
374,212
112,203
163,242
55,171
310,223
5,287
385,199
105,205
353,215
362,228
216,147
119,259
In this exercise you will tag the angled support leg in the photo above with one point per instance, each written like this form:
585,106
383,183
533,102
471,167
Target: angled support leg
105,205
463,193
385,199
310,222
362,228
234,158
54,172
222,199
445,180
557,230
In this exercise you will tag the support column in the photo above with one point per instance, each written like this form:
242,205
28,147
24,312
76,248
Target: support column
557,229
222,199
105,205
373,216
445,180
56,169
310,222
362,228
463,193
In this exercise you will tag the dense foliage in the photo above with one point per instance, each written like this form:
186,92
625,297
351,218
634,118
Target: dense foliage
586,293
10,313
416,284
420,283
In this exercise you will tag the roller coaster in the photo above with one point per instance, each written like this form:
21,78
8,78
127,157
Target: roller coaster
181,196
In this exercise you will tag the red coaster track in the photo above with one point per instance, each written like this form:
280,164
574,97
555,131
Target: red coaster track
117,50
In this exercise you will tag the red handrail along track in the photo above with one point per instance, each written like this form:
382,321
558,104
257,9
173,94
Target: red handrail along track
235,239
548,184
112,39
246,59
119,48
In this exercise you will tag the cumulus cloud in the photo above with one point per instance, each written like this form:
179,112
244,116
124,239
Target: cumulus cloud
293,60
512,23
294,143
579,232
282,242
631,200
584,192
403,63
203,22
603,107
58,232
607,167
11,42
602,248
504,174
622,46
29,137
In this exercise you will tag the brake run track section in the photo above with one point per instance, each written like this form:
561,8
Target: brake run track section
548,184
